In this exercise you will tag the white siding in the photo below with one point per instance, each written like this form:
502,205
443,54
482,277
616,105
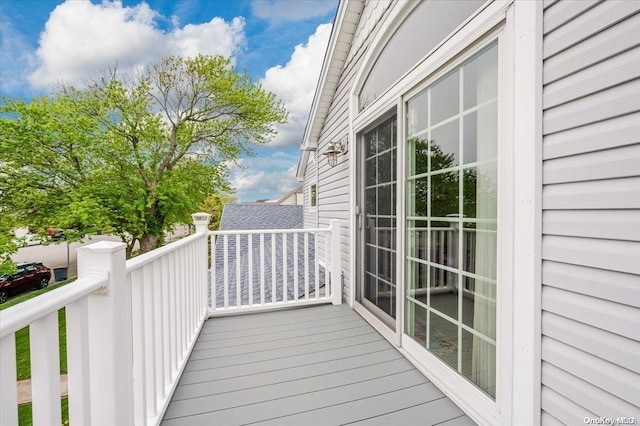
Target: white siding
333,183
591,211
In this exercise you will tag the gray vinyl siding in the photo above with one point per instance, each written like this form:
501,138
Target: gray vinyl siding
591,211
333,183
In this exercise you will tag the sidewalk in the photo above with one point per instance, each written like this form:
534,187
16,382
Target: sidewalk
24,389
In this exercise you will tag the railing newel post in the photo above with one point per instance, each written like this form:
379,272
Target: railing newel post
201,223
109,332
335,265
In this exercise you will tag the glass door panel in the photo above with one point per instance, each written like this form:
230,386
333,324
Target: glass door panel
377,195
451,253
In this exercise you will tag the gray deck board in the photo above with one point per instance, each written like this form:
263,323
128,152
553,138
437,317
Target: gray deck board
314,366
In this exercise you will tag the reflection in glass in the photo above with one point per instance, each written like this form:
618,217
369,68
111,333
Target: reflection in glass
419,153
444,244
417,238
444,291
444,194
479,362
418,120
443,339
445,146
445,98
481,78
456,276
416,325
385,165
470,132
480,191
372,170
479,306
379,221
386,135
385,205
480,238
418,189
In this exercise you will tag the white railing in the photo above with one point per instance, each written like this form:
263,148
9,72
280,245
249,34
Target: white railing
131,326
443,246
41,316
266,269
169,306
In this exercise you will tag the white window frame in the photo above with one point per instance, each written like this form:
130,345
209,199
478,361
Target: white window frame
518,28
313,207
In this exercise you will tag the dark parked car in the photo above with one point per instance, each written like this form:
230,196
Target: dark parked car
61,234
28,276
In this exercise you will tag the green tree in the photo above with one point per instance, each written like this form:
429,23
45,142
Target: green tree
214,204
7,248
132,153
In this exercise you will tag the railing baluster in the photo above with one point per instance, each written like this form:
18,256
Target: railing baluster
273,268
316,263
166,323
8,387
250,267
78,371
285,281
327,264
45,370
295,266
225,270
308,277
213,287
149,341
139,356
158,327
262,277
172,314
306,265
238,272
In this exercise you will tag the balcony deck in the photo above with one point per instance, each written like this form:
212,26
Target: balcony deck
310,366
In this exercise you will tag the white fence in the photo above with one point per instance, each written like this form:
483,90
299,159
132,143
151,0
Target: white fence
267,269
131,325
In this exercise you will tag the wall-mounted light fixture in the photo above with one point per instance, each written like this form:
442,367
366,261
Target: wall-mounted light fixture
335,148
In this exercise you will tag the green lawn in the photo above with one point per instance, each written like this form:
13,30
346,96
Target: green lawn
22,336
25,417
23,353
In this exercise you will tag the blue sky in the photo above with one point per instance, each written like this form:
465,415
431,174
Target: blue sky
280,43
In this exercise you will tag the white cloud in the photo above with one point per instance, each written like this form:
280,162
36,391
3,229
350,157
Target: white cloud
295,84
252,180
81,38
279,11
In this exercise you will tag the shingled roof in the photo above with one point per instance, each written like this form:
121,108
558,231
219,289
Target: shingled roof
249,216
261,216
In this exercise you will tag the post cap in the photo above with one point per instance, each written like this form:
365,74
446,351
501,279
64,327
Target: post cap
201,217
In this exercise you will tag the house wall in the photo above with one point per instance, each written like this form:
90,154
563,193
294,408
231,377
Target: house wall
591,211
333,182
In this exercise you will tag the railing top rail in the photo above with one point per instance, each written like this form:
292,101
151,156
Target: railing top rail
16,317
269,231
143,259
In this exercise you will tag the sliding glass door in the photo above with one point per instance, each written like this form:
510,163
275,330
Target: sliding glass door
451,222
377,221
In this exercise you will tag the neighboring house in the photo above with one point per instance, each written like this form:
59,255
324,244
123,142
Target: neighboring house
262,216
488,185
293,198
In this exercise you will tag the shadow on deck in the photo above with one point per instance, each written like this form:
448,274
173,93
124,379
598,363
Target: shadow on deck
321,365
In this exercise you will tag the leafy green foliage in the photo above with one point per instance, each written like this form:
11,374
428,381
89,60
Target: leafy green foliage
214,205
131,154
